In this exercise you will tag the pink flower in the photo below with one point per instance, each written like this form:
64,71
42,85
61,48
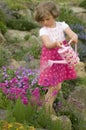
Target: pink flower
25,100
36,92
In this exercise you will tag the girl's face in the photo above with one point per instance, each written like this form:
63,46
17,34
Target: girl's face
48,21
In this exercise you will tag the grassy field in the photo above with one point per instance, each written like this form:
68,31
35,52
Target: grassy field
75,1
71,1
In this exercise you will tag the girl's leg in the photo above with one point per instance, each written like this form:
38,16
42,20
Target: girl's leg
51,96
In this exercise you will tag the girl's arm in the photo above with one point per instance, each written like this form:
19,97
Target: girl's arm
72,35
46,41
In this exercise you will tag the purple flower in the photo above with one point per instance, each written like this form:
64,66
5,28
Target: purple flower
36,92
20,83
59,104
25,100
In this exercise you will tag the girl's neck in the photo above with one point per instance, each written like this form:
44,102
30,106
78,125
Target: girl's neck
53,25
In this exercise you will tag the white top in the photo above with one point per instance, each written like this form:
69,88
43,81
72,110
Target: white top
56,33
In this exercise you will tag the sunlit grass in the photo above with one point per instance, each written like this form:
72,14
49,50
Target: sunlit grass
72,1
83,81
19,4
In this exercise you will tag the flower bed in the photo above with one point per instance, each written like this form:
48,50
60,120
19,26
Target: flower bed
14,126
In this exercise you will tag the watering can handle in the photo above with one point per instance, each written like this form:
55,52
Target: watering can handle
75,45
63,46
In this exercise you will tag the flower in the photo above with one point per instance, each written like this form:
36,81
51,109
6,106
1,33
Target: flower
20,83
31,128
10,126
36,92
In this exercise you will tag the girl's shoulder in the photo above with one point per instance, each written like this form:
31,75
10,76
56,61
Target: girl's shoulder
63,25
43,31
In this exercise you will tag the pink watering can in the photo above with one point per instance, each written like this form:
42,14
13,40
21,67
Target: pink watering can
68,54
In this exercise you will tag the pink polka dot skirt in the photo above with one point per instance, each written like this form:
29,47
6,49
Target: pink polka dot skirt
52,75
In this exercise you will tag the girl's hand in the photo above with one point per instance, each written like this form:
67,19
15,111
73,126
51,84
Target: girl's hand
74,39
59,44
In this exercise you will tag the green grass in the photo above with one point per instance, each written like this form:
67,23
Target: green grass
57,1
83,81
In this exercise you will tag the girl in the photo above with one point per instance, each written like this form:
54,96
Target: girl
52,34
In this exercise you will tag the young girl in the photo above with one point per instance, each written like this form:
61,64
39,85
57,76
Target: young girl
52,34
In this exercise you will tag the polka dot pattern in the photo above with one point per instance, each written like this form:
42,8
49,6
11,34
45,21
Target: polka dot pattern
51,76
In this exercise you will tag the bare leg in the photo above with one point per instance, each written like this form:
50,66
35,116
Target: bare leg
50,97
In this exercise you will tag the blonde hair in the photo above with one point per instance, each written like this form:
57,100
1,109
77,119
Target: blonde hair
44,9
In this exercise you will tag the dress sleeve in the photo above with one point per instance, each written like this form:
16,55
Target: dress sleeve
43,31
64,25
